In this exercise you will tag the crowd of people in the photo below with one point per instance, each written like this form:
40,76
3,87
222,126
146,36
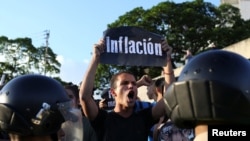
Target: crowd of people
210,90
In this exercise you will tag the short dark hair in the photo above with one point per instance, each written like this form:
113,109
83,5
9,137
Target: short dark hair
160,83
114,78
73,88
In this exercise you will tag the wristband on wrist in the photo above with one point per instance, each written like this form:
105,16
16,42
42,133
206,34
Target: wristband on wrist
168,73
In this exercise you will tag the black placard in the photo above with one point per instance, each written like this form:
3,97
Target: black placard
133,46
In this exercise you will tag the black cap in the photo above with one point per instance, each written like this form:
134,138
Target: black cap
106,94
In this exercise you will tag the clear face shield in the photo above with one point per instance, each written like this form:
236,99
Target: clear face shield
72,128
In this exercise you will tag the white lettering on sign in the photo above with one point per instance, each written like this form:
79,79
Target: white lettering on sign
126,46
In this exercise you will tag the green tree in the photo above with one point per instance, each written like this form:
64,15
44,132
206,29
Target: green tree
49,65
187,25
19,56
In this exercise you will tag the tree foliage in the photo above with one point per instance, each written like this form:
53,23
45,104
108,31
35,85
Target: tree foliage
188,25
19,56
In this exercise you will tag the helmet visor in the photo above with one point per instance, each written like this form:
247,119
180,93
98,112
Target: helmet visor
72,127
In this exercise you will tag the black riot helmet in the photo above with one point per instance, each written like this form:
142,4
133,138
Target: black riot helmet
213,88
32,105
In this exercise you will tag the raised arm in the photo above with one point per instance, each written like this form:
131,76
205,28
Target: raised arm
145,80
88,104
168,71
159,109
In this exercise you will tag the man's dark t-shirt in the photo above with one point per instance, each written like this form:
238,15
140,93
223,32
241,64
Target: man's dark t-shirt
112,127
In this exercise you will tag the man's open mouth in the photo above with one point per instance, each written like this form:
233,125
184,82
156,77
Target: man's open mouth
131,94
